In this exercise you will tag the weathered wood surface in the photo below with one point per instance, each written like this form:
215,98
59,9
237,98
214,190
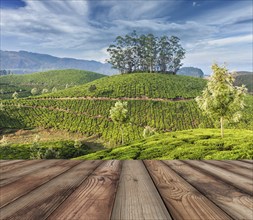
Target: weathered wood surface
137,197
64,189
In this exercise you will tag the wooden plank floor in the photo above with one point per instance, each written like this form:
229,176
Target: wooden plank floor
173,189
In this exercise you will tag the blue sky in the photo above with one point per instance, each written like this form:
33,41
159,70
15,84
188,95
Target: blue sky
210,30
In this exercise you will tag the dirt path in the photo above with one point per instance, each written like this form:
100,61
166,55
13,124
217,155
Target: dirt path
144,98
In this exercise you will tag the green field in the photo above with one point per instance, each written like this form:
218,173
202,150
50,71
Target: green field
189,144
44,80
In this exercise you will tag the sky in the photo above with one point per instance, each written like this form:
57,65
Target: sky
211,31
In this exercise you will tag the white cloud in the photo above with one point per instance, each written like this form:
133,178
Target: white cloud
235,12
75,29
231,40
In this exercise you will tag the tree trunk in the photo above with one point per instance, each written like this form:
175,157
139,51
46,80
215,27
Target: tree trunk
221,127
122,135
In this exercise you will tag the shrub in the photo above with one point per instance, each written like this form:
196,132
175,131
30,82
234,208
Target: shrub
148,131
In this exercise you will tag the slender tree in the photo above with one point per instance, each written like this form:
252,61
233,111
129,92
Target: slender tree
176,53
54,89
15,95
150,51
118,114
164,56
221,100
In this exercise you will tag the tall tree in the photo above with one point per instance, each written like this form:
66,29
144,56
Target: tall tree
116,52
150,51
177,53
165,55
221,100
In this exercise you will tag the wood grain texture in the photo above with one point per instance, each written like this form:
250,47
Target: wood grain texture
17,173
16,164
182,200
137,197
238,181
230,166
247,161
8,162
237,204
94,198
242,164
65,189
42,201
27,183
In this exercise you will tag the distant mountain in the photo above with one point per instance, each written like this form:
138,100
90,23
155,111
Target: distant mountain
243,73
244,78
191,71
27,62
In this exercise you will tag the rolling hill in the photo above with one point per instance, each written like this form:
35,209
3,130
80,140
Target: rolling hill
163,102
151,85
60,79
27,62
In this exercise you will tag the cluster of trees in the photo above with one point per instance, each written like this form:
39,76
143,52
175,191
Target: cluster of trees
146,53
35,91
5,72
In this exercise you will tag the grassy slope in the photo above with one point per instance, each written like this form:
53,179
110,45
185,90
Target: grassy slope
189,144
22,144
48,80
91,117
152,85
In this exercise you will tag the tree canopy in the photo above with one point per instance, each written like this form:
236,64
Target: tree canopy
146,53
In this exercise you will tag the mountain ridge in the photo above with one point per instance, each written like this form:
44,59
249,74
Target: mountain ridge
28,62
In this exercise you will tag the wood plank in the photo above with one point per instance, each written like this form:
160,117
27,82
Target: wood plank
8,162
237,204
247,161
94,197
29,182
241,164
234,168
238,181
15,174
137,197
182,200
42,201
16,164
